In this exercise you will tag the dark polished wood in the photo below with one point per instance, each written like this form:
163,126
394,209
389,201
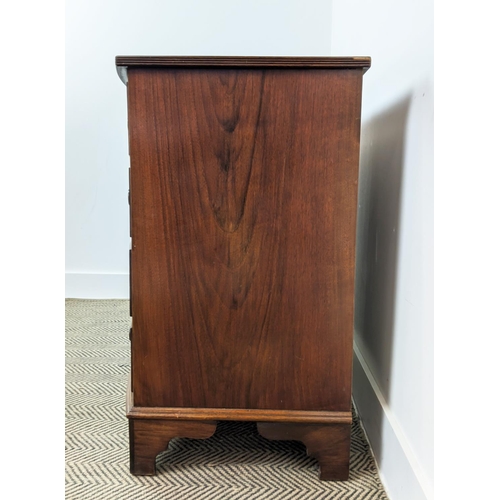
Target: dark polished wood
150,437
329,444
283,62
246,61
243,193
297,416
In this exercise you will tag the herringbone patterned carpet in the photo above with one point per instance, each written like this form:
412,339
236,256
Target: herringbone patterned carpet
236,463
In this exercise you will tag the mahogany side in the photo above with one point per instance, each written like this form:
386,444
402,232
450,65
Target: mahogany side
243,200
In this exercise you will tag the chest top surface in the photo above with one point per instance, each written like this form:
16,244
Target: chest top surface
124,62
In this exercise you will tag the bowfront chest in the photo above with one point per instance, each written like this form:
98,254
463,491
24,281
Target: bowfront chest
243,196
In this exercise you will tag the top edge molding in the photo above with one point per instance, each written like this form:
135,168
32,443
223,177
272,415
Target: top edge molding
123,63
243,61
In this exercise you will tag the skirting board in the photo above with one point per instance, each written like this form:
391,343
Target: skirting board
398,468
97,286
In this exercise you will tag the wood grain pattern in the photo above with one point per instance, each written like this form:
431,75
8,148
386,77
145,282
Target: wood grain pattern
124,62
242,415
243,194
150,437
245,61
248,415
329,444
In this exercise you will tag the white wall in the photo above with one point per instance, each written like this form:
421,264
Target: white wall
393,368
96,122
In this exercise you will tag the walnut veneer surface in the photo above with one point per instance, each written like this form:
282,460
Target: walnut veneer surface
243,196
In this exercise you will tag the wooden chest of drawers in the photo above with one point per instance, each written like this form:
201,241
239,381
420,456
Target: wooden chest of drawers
243,196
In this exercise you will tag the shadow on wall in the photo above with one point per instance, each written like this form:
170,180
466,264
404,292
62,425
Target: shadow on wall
380,183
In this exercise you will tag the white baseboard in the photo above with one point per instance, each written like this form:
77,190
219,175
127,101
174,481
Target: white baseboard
97,286
398,467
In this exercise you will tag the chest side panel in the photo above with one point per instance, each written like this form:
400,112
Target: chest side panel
243,192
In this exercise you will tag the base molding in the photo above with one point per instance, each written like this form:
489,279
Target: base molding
239,414
326,434
201,414
399,469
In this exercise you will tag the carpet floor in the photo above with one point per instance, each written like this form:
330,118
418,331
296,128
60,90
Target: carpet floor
235,463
